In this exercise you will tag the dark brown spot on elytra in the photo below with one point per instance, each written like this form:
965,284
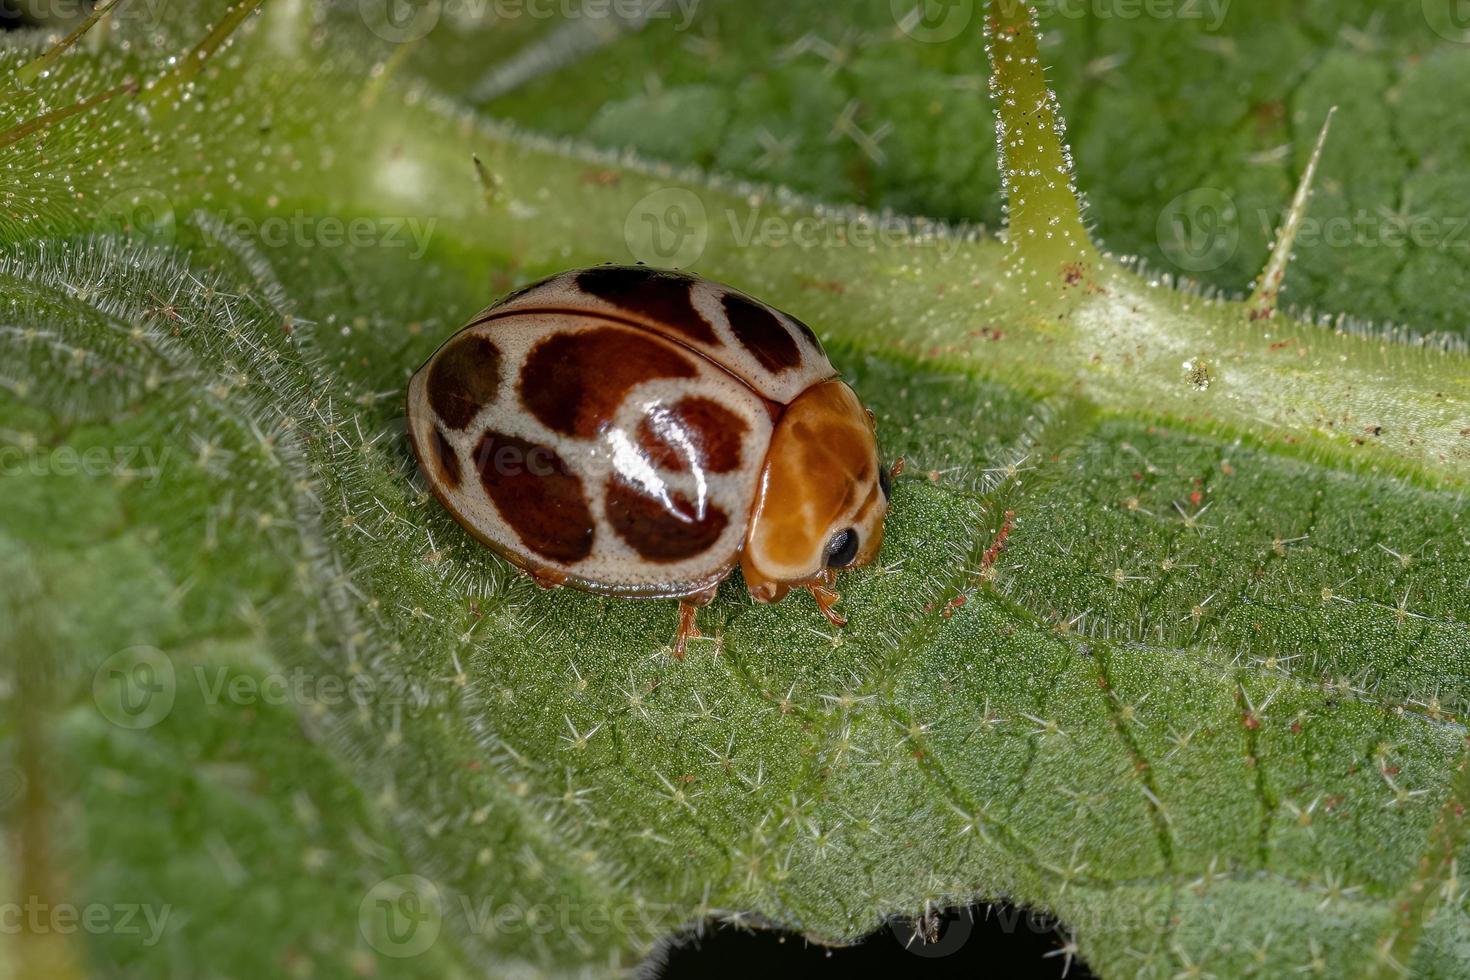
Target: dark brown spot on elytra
445,459
574,382
759,330
537,495
463,379
661,530
692,431
660,296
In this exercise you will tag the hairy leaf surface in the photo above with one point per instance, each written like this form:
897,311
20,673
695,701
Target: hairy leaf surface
1179,654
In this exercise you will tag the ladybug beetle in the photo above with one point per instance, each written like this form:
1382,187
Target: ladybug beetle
637,432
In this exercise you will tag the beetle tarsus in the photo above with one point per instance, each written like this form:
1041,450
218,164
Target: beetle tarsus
827,599
688,628
547,580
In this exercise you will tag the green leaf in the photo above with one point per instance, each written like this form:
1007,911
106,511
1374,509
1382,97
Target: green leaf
1163,98
1179,654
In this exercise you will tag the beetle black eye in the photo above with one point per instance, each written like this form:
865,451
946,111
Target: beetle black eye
842,549
885,481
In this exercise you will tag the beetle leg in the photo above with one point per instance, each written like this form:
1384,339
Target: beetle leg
547,580
827,597
703,598
688,628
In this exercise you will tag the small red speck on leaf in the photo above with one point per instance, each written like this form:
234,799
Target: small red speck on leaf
999,543
826,285
989,333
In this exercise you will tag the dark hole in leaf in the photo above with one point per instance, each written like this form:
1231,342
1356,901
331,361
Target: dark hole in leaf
999,940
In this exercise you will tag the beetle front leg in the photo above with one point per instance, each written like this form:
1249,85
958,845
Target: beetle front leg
688,628
827,597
